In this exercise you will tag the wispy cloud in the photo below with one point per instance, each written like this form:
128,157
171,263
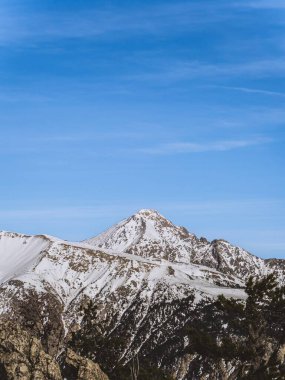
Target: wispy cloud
18,22
191,70
216,146
252,208
102,211
267,4
125,209
254,91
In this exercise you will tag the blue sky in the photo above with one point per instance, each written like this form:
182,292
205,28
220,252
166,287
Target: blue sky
112,106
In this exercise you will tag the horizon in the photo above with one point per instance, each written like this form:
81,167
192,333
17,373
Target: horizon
125,219
111,107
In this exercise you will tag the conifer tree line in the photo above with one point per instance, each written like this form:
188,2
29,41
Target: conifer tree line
228,339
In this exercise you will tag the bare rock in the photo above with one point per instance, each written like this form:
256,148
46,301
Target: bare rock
22,356
86,369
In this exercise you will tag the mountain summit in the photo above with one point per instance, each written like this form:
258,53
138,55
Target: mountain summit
150,235
147,234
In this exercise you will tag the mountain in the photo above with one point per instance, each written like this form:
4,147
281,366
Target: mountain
145,277
148,234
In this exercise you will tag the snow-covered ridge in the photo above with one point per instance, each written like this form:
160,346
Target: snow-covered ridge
68,268
18,253
143,251
148,234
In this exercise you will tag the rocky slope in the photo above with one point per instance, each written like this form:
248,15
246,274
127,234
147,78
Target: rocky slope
145,276
22,357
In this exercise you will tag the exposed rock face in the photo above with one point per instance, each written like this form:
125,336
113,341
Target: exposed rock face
40,315
22,356
85,369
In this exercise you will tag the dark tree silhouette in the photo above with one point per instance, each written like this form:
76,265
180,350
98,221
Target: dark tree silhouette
250,333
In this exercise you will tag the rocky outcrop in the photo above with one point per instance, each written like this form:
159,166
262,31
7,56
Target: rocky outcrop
83,368
22,356
39,313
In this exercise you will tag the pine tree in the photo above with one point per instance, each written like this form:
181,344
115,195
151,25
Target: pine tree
249,333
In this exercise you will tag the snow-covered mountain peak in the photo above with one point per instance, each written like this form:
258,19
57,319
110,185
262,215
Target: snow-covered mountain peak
153,217
150,235
146,234
147,212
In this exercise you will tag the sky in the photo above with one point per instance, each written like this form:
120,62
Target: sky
107,107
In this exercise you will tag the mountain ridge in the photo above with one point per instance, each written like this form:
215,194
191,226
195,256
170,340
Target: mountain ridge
144,233
145,276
